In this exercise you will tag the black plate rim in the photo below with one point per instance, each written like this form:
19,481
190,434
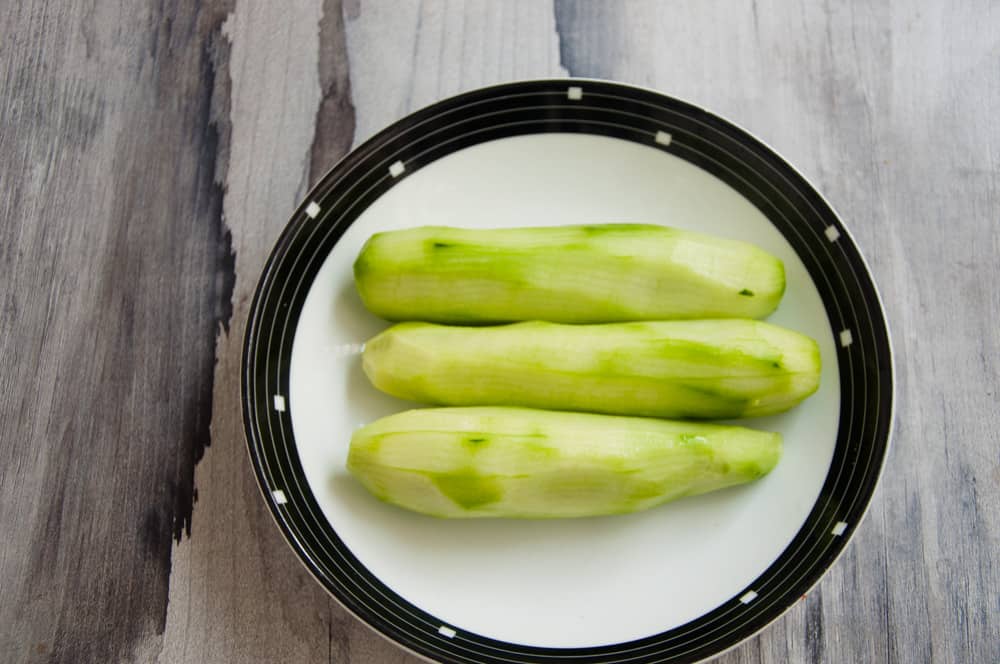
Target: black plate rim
281,246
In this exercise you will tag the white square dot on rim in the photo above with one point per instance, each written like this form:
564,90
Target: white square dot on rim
748,597
846,338
313,209
839,528
444,630
832,234
397,169
663,138
279,496
279,403
574,92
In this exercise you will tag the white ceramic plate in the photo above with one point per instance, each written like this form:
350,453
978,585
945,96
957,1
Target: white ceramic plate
677,583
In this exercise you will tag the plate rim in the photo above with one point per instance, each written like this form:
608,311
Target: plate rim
280,247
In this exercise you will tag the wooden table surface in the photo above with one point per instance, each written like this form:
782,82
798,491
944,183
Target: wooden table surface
151,151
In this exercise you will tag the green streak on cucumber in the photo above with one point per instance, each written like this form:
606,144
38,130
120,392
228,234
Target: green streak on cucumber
568,274
686,369
587,465
468,489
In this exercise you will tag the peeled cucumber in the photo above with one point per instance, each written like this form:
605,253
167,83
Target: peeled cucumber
523,463
565,274
686,369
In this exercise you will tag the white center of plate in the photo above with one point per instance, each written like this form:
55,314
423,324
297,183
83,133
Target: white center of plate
561,583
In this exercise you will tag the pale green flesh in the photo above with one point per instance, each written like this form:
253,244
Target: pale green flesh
568,274
688,369
523,463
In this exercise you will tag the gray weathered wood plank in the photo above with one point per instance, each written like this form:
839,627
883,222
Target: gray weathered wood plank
116,273
235,592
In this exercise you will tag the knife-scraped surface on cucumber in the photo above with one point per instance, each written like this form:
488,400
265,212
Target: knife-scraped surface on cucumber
559,345
689,369
566,274
524,463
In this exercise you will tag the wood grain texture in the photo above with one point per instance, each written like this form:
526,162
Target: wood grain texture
233,585
116,272
149,158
